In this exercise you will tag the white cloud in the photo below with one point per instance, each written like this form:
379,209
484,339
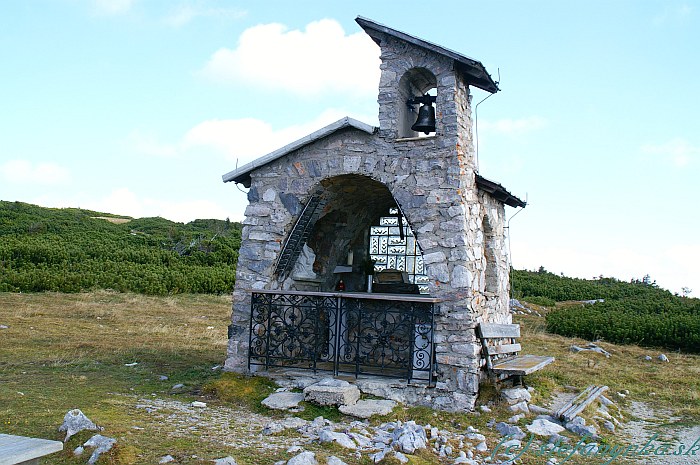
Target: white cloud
112,7
185,14
27,172
319,59
509,126
241,139
678,151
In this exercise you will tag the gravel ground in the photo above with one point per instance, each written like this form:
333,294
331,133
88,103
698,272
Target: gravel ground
649,421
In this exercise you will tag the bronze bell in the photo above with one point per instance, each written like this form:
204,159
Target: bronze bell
426,119
425,122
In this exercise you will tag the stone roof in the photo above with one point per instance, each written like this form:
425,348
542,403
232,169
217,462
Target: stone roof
473,70
242,174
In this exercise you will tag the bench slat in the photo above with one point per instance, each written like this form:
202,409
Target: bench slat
18,449
522,365
503,349
493,330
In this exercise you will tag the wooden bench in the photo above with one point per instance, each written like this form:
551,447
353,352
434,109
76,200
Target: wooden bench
25,451
502,353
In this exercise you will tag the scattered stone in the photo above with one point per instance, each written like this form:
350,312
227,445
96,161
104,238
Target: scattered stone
216,367
647,358
663,358
519,407
400,457
225,461
485,409
333,460
305,458
578,426
75,421
608,425
78,451
589,348
166,459
515,395
198,404
474,436
367,408
342,439
409,437
543,427
510,430
163,378
536,409
516,418
279,426
101,444
482,447
331,391
4,327
294,449
131,364
178,386
283,400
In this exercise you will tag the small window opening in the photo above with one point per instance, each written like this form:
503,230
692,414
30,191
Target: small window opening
393,250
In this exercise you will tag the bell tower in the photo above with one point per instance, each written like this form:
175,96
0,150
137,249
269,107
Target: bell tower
420,79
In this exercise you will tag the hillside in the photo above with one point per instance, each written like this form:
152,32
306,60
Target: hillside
73,250
637,312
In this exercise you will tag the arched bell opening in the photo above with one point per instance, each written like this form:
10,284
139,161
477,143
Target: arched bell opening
416,103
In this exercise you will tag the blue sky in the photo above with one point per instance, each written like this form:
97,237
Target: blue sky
137,107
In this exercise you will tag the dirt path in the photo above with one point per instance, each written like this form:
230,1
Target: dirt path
649,423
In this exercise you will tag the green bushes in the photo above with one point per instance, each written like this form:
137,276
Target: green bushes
71,250
638,312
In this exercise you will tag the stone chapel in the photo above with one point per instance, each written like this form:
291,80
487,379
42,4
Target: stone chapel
375,252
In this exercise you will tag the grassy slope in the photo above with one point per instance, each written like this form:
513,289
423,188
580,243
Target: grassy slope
71,250
63,351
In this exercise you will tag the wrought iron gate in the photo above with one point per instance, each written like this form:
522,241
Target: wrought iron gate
343,333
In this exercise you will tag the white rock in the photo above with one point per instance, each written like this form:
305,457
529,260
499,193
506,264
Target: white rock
283,400
305,458
198,404
78,451
543,427
341,439
333,460
519,407
166,459
663,358
225,461
368,407
75,421
101,444
515,395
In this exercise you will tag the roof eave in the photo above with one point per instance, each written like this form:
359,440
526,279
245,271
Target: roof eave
242,174
499,192
473,69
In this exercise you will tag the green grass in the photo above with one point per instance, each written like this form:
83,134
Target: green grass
64,351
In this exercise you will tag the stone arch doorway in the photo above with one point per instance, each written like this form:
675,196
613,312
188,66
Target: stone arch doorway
340,236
